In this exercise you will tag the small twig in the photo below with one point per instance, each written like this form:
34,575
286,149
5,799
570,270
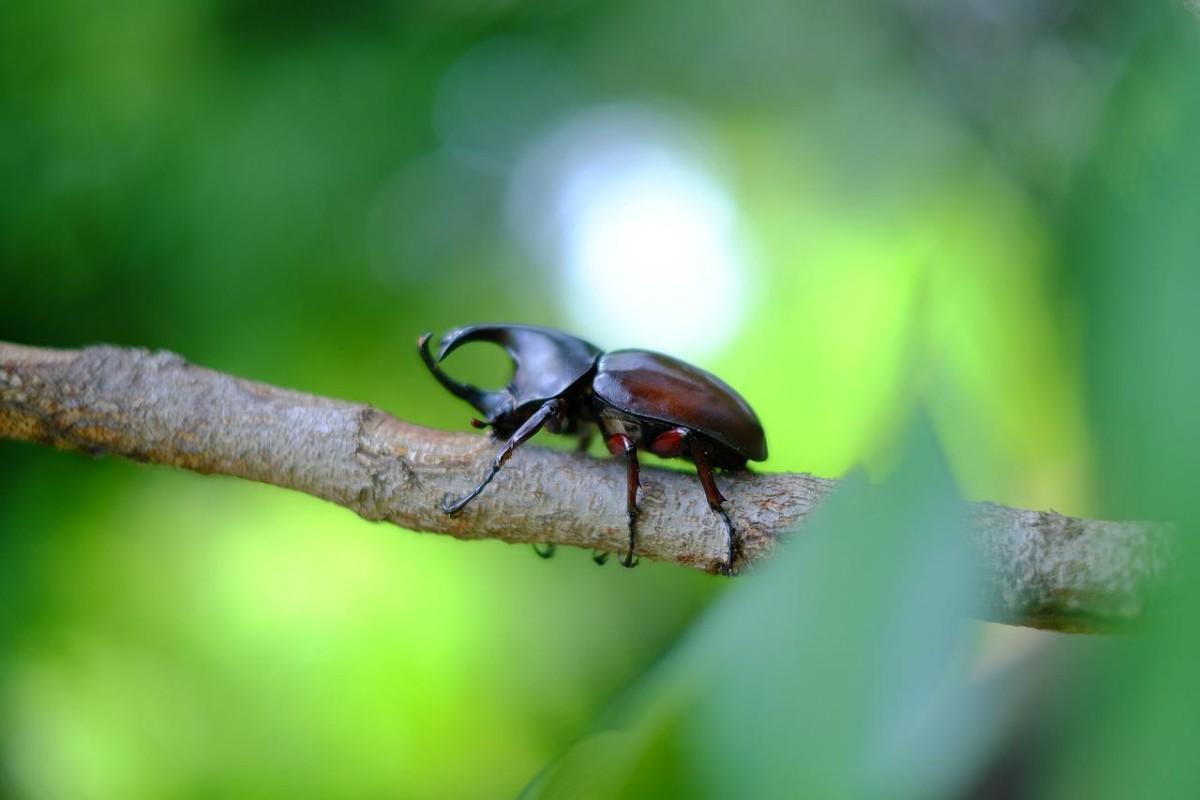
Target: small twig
1038,568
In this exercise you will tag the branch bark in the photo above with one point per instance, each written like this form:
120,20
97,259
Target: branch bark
1039,569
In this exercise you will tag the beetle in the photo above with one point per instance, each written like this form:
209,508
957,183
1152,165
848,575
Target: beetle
638,399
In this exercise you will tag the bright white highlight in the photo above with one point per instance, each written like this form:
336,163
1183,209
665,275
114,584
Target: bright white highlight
645,237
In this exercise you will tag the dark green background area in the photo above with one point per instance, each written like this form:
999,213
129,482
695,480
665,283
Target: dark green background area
979,217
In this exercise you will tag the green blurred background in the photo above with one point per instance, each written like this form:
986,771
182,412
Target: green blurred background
981,216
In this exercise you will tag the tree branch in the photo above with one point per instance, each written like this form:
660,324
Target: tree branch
1037,568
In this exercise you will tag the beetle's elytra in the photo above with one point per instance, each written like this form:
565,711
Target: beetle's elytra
637,398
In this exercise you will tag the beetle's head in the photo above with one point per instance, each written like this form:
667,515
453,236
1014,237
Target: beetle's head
546,364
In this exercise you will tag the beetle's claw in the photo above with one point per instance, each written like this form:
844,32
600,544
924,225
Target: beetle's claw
600,557
450,507
630,560
735,544
548,552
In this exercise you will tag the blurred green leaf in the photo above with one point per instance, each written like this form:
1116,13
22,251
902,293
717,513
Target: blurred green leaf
839,670
1131,730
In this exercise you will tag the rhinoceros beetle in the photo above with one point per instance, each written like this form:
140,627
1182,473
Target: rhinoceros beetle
637,398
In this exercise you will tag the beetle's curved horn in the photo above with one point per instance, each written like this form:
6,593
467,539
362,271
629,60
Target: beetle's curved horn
487,403
519,341
546,363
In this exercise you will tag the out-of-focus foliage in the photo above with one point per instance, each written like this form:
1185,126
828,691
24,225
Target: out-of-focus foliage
842,669
858,214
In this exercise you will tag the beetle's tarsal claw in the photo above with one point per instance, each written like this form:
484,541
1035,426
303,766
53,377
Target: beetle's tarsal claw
479,424
600,557
734,552
450,506
547,551
631,560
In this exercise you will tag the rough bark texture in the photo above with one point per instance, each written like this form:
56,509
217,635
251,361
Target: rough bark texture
1040,569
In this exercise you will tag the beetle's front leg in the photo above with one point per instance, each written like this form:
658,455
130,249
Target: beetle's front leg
524,433
617,444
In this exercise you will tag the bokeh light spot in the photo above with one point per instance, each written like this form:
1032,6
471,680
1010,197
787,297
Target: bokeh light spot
623,203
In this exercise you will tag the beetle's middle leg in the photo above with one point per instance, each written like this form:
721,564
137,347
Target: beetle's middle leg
617,444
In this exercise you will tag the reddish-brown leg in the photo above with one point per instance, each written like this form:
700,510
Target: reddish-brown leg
619,444
715,499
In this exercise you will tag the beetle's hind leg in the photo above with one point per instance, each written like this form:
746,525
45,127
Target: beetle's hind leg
619,444
715,500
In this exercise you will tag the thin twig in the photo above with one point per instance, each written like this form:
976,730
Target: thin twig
1040,569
